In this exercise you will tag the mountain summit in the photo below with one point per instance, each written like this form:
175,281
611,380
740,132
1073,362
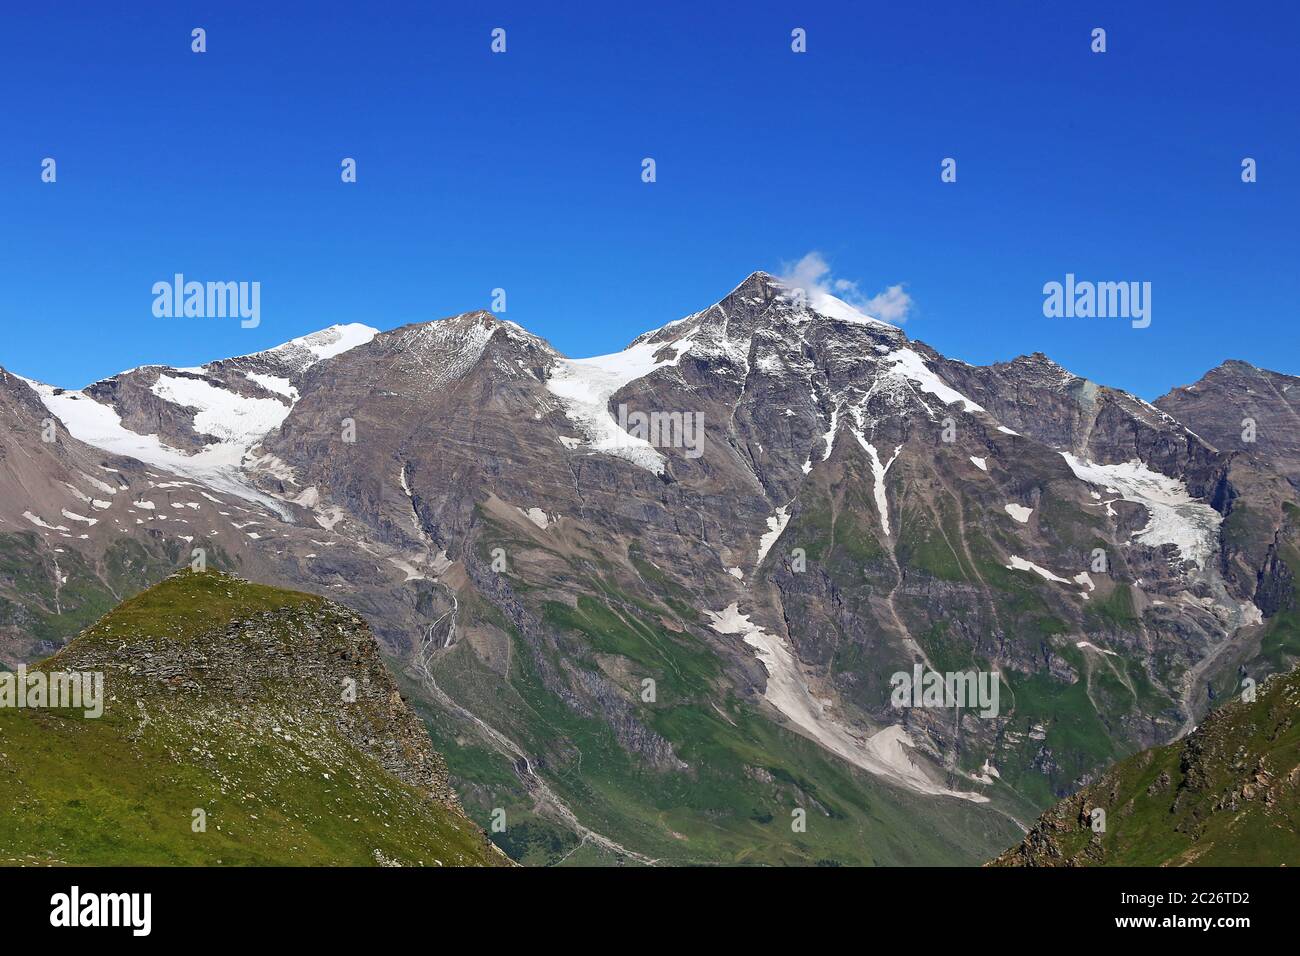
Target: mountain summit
653,603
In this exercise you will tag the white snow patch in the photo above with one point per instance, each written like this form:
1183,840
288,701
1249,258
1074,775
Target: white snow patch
586,386
237,421
1020,564
103,486
307,350
775,525
979,463
912,367
1175,517
41,524
77,493
830,432
99,425
537,516
1019,512
879,471
1088,644
272,383
886,754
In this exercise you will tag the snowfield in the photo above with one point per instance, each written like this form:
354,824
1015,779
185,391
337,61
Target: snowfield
1175,516
307,350
1083,579
538,517
237,422
272,383
886,754
585,386
909,365
99,426
1020,564
42,524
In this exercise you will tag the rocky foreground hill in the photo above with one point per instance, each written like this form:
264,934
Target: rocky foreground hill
650,604
1228,794
241,725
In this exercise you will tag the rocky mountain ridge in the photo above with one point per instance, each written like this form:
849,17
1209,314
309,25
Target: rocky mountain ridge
766,509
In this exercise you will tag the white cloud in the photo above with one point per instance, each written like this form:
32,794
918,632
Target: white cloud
813,273
892,305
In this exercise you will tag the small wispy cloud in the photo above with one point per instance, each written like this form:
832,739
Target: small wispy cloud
812,273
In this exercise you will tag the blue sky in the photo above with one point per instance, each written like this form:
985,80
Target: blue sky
522,171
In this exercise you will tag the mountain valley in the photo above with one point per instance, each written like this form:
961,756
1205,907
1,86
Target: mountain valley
665,651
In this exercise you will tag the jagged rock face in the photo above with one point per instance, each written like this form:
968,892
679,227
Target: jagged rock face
222,402
1251,415
82,527
766,509
1239,408
1036,397
54,492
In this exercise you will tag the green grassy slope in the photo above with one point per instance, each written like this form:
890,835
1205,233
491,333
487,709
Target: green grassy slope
261,751
735,778
1226,795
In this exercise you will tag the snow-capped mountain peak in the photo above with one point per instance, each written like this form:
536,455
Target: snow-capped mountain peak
305,351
